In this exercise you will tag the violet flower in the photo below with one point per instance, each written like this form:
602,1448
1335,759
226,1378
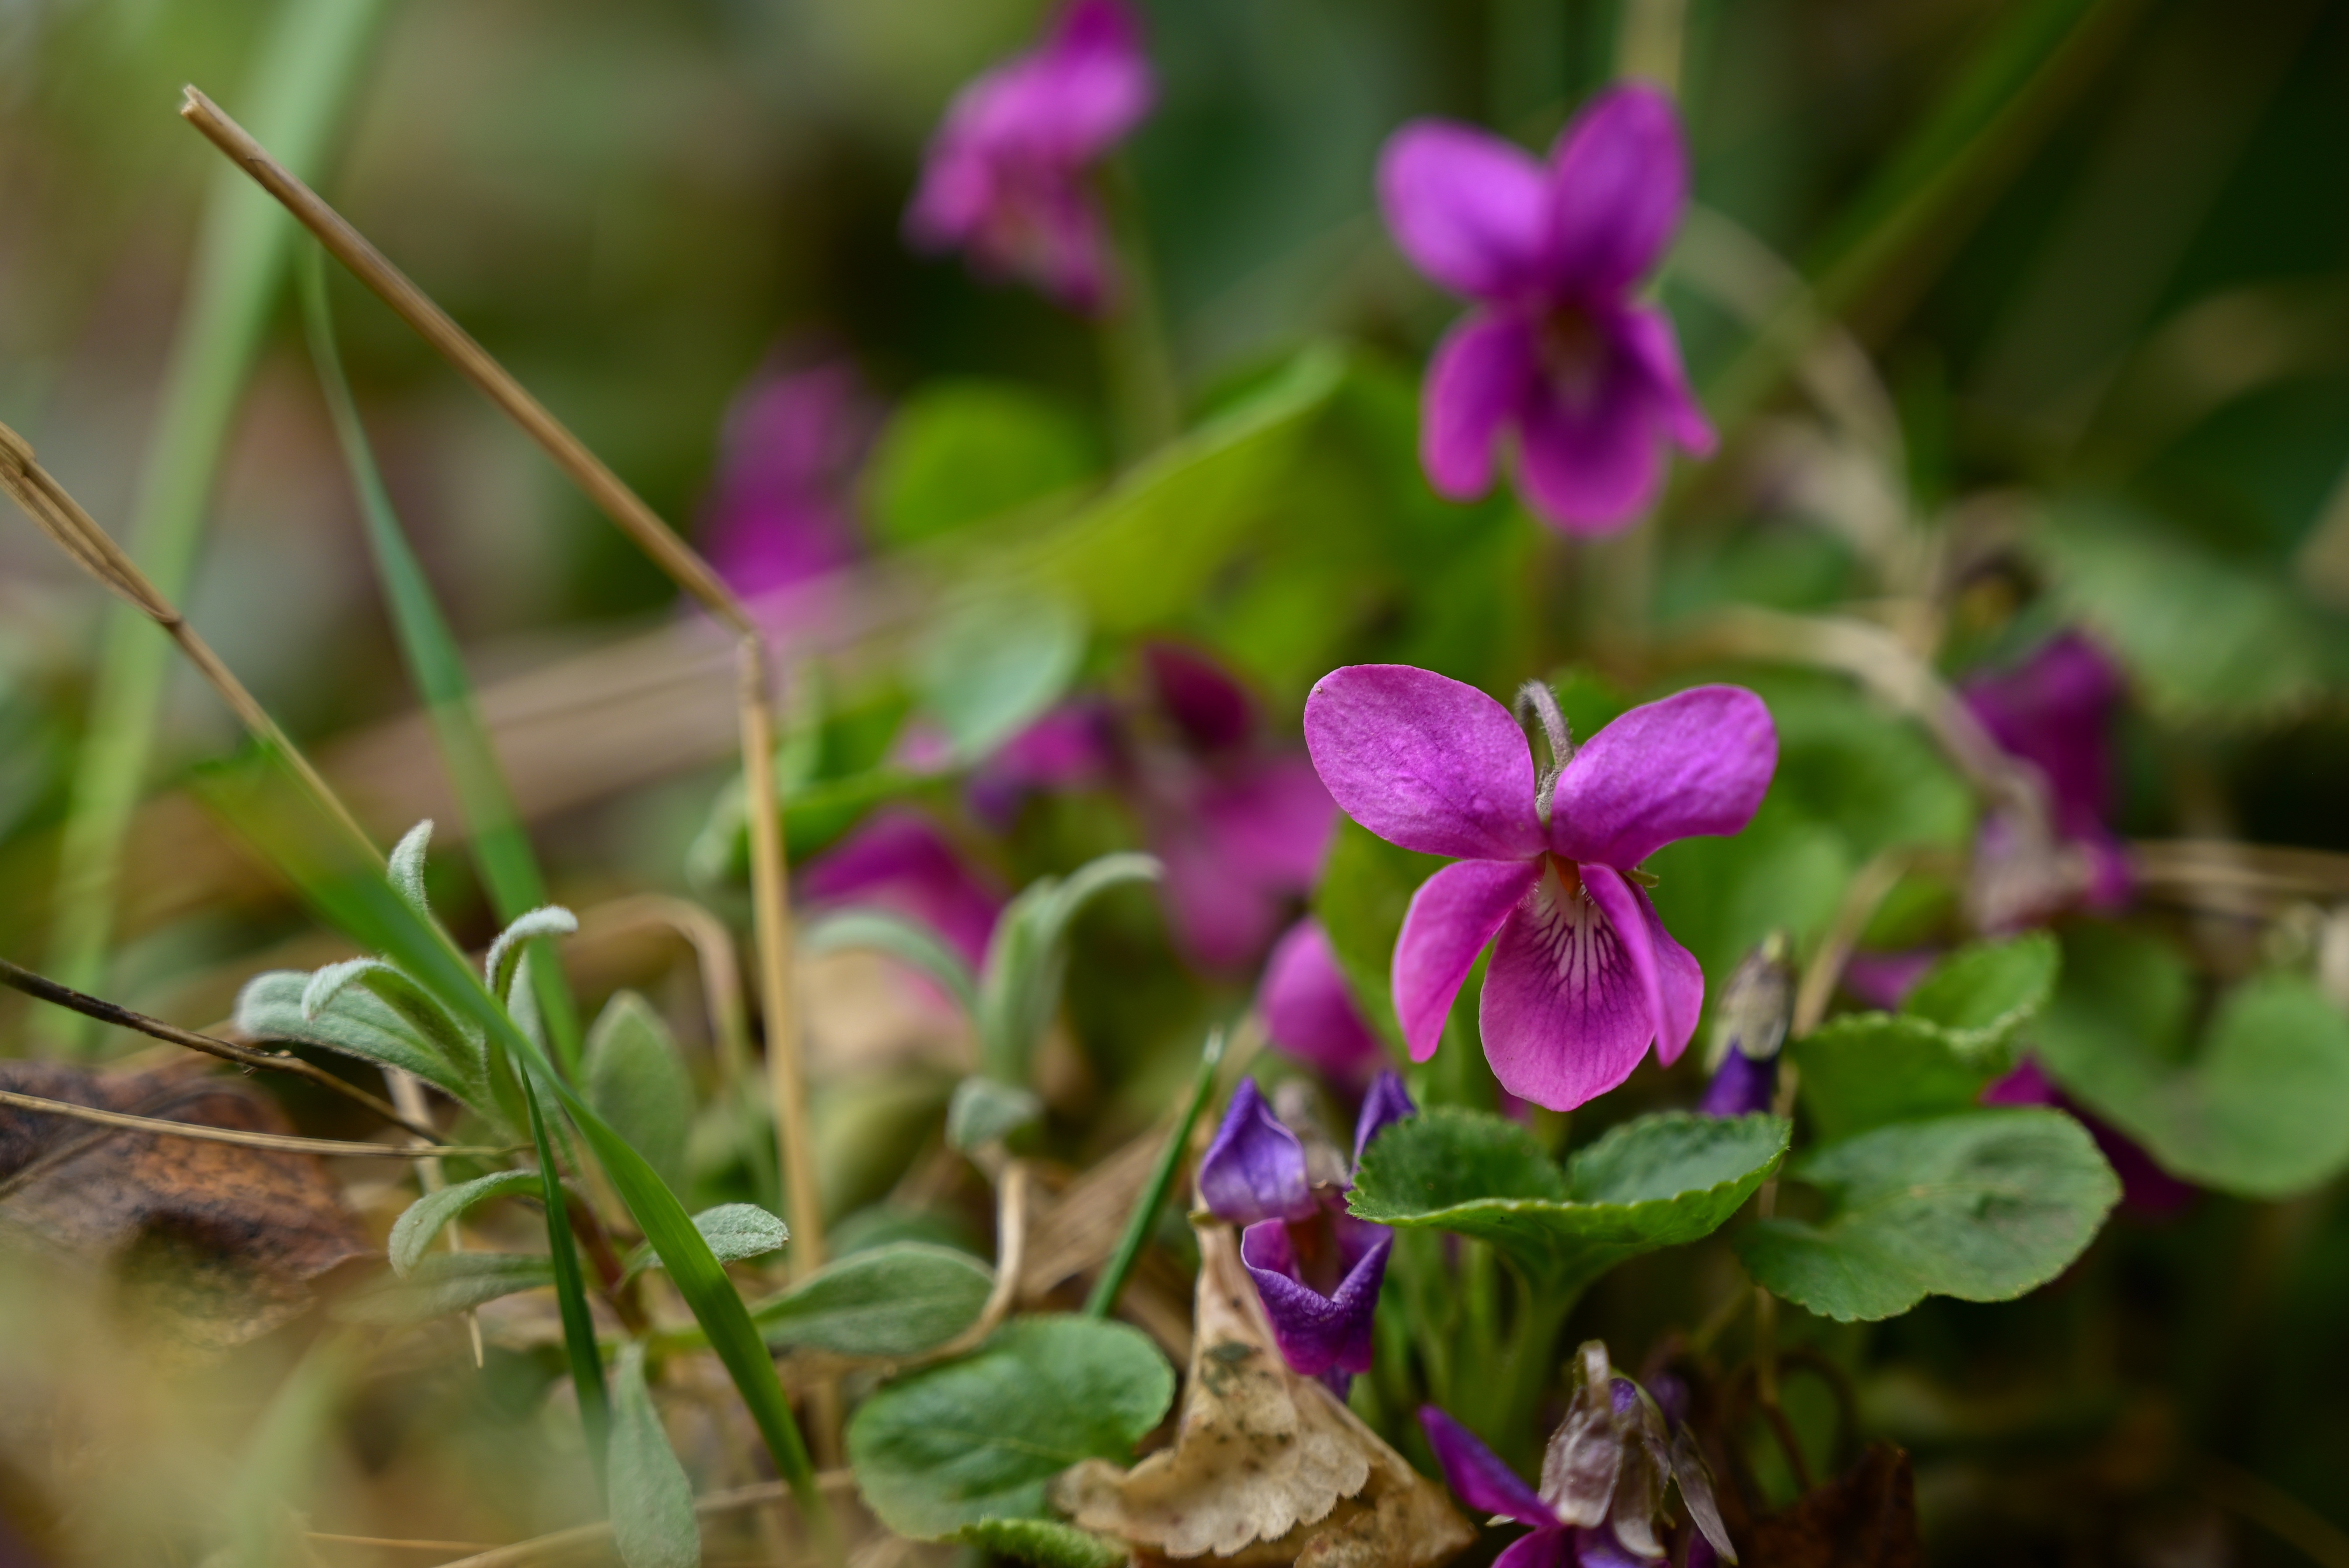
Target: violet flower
1241,825
1005,178
782,508
1317,1268
1308,1011
898,859
1560,357
2052,713
1601,1498
1583,976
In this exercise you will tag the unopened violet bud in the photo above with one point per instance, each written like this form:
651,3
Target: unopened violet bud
1749,1031
1386,1103
1255,1169
1740,1087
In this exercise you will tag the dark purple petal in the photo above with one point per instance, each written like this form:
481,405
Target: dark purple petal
1589,433
1646,333
1740,1087
1619,171
1308,1010
782,508
2055,711
1477,385
898,859
1425,761
1386,1103
1211,709
1540,1549
1479,1479
1673,981
1470,210
1452,916
1255,1169
1883,980
1565,1015
1318,1334
1073,746
1240,851
1697,763
1599,1549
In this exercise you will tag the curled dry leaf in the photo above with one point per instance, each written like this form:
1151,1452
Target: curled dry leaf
1267,1468
220,1242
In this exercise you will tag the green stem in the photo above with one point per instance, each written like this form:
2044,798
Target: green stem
299,94
571,1294
1138,1224
1135,359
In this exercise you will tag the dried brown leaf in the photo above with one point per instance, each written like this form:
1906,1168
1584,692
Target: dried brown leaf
222,1243
1865,1518
1267,1468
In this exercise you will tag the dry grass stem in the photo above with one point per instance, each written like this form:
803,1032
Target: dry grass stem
1010,1250
47,990
613,495
713,952
282,1144
1869,889
563,1542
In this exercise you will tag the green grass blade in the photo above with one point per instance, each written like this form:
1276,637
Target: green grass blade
1138,1224
268,811
571,1294
297,100
500,847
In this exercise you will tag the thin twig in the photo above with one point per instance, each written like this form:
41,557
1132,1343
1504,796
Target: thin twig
389,1543
47,990
543,1548
1868,890
331,1147
1010,1254
611,495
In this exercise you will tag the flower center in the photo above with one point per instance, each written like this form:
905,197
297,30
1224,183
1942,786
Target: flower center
1573,356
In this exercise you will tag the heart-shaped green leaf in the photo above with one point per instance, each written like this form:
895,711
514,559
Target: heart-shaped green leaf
900,1299
1654,1183
1984,1207
977,1439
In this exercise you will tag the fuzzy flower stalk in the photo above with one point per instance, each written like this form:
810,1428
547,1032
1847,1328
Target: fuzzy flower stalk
1317,1268
1561,363
1604,1476
1007,178
1584,977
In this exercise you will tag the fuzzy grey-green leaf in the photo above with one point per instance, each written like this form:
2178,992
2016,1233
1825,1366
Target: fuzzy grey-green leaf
355,1023
1046,1542
444,1283
637,1081
653,1522
900,1299
423,1220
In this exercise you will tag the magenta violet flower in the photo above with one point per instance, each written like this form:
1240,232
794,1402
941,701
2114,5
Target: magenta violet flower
1241,824
782,508
1006,177
2053,713
1308,1011
1317,1268
899,860
1604,1474
1583,975
1559,359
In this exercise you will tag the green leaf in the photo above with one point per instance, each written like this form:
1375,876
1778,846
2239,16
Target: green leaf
635,1078
2261,1110
1981,994
1046,1543
735,1231
958,452
2207,640
977,1439
1020,988
358,1024
412,1233
900,1299
984,1111
1658,1182
443,1283
653,1522
1862,1070
991,665
505,954
407,867
907,941
1984,1207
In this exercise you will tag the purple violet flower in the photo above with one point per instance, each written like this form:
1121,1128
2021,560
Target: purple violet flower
1603,1478
1317,1268
1308,1010
2053,713
1559,355
782,508
1005,178
1240,825
899,860
1584,976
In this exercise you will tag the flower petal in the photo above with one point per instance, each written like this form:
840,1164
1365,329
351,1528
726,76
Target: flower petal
1452,916
1646,333
1317,1332
898,859
1477,381
2055,711
1255,1169
1675,989
1620,170
1469,209
1589,448
1425,761
1479,1479
1696,763
1240,849
1212,710
1098,79
1565,1015
1541,1549
1308,1010
1387,1102
1740,1087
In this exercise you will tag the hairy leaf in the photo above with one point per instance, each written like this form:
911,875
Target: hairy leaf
1046,1543
443,1283
900,1299
907,941
635,1078
412,1233
653,1522
356,1023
